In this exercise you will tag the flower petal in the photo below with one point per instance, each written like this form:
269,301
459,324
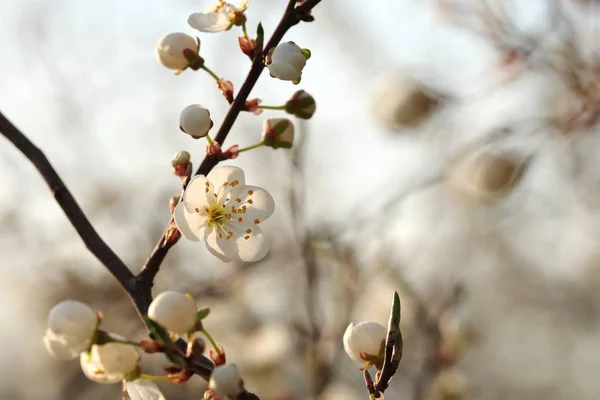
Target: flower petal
144,390
245,244
227,174
191,225
284,71
198,194
210,21
259,204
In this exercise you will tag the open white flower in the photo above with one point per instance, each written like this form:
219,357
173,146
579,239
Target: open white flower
225,212
110,362
171,48
173,310
286,61
226,380
365,337
218,18
71,327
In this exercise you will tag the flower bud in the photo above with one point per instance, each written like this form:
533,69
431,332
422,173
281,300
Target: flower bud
365,337
485,177
173,310
195,121
286,61
302,105
177,50
226,380
181,164
110,362
400,102
278,132
71,328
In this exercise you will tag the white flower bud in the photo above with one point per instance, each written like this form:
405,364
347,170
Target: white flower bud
400,102
486,177
110,362
195,121
286,61
278,132
71,327
175,311
226,380
365,337
180,158
171,50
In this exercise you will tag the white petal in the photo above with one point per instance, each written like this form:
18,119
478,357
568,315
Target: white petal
144,390
93,371
284,71
210,240
347,344
244,4
59,348
261,207
191,225
227,174
196,194
242,245
209,22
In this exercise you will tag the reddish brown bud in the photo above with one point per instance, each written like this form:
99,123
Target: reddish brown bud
252,106
173,234
226,89
218,358
181,377
231,153
195,348
151,346
248,46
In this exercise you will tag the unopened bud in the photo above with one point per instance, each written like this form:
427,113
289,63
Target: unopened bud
195,121
195,348
173,310
302,105
364,341
181,163
226,380
486,177
178,51
278,132
400,102
248,46
151,346
226,89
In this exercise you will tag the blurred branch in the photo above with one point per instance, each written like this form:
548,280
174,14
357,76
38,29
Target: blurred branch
292,16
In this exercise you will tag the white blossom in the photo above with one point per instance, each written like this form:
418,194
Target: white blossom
71,328
195,121
170,50
144,390
278,132
364,337
217,18
110,362
225,212
226,380
286,62
175,311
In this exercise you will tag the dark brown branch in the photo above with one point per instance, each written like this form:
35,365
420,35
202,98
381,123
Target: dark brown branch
68,204
292,16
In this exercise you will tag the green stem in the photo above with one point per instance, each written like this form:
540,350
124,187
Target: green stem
254,146
272,107
153,377
245,31
130,342
211,73
209,140
211,340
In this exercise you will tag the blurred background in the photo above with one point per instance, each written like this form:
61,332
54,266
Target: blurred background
453,158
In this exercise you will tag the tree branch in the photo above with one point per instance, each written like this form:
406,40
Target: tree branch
68,204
